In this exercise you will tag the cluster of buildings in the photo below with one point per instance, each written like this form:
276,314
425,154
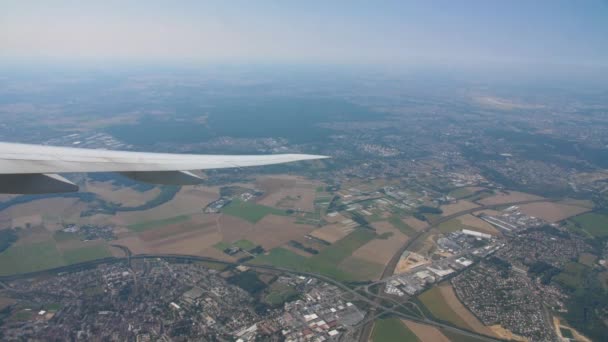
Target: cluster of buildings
157,300
89,140
466,240
496,295
512,220
465,179
379,150
217,205
320,315
545,244
88,232
456,252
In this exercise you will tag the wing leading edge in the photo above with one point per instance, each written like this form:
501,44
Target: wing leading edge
22,163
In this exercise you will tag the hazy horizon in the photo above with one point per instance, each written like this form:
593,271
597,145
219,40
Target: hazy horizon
474,35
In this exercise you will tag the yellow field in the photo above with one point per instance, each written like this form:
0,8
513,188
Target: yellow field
509,197
460,205
442,302
552,212
426,333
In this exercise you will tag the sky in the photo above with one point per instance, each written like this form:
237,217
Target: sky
484,33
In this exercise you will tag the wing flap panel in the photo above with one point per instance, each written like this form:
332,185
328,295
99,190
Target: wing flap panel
35,184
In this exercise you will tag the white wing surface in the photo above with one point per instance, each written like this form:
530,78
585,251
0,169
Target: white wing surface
25,166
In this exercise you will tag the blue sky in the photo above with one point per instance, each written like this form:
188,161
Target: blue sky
464,33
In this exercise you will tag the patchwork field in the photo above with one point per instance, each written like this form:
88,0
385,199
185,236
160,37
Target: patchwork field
415,223
426,333
509,197
361,269
288,192
327,262
249,211
232,228
460,205
552,212
379,250
150,225
52,211
26,221
187,201
333,232
134,244
273,231
398,223
193,243
128,197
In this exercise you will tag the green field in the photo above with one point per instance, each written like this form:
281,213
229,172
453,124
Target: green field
250,211
572,276
402,226
433,300
587,259
244,244
60,236
82,254
452,225
344,248
213,265
361,269
222,245
282,257
326,262
392,329
30,258
141,227
460,193
593,224
279,294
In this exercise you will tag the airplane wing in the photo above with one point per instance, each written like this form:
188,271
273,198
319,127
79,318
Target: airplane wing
27,169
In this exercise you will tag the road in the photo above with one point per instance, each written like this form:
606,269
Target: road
377,307
389,269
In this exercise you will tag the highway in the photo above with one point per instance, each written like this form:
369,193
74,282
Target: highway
377,307
389,270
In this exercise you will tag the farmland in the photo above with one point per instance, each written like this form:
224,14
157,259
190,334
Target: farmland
434,301
402,226
77,255
30,258
452,226
249,211
593,224
140,227
325,262
392,329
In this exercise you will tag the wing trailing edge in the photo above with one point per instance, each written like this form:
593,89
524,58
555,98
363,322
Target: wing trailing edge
33,168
